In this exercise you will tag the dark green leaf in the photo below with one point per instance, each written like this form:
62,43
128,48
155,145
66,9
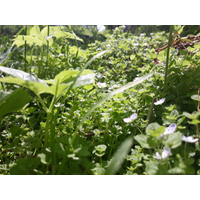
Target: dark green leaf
15,101
119,157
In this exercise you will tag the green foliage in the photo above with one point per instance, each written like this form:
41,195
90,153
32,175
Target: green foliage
63,102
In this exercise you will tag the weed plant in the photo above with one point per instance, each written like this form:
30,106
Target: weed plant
109,109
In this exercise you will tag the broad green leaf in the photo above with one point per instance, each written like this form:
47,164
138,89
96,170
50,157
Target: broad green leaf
15,101
25,166
145,141
183,52
189,161
174,113
20,40
16,131
155,130
196,46
64,76
35,30
61,33
119,156
188,115
176,170
21,74
132,57
88,87
162,55
44,31
153,55
174,140
44,39
194,115
67,78
186,62
155,168
194,121
36,87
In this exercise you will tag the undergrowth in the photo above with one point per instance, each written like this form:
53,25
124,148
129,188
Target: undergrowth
66,110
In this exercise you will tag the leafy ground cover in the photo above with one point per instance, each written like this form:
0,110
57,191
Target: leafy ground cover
125,105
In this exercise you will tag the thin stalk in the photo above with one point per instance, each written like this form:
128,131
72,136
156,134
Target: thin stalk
47,52
47,129
2,86
25,50
150,111
167,60
43,105
48,125
197,125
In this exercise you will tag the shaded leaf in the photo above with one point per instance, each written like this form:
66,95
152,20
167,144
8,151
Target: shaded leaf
15,101
155,168
3,95
25,166
174,140
119,157
145,141
4,56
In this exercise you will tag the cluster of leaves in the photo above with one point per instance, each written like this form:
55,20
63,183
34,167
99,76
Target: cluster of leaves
52,121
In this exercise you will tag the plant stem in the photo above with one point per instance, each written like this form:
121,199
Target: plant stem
41,101
150,111
167,60
197,125
2,86
47,51
25,51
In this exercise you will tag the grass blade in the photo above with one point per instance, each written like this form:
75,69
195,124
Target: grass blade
119,156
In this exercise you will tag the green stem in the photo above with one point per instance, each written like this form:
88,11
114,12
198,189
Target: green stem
25,51
41,101
167,60
150,111
47,51
2,86
47,129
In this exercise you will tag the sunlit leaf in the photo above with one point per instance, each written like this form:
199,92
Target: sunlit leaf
35,30
36,87
155,130
21,74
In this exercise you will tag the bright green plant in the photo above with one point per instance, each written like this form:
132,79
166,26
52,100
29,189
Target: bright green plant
110,115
